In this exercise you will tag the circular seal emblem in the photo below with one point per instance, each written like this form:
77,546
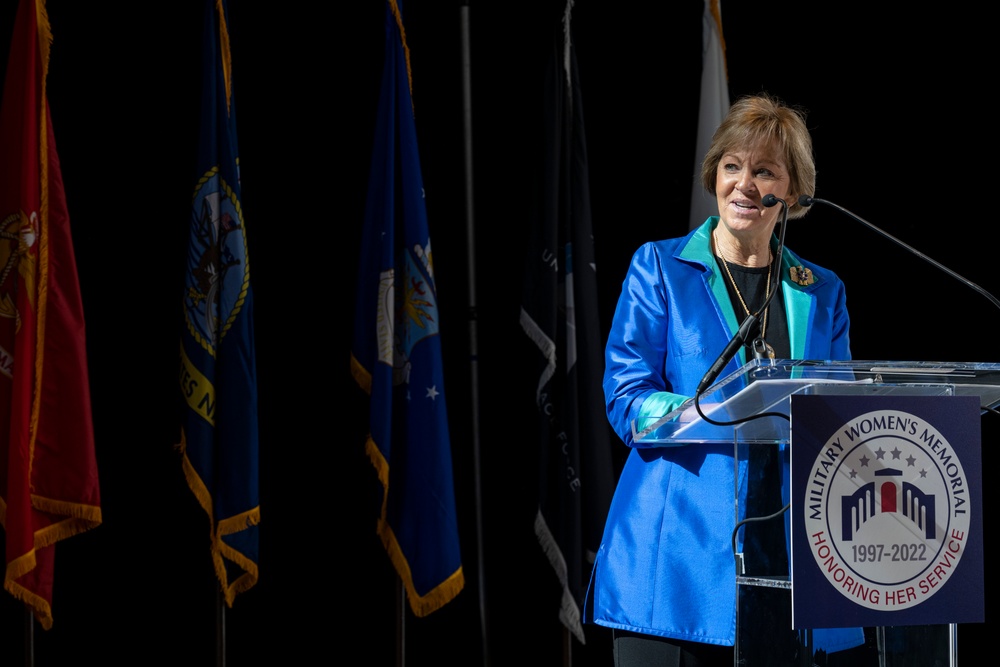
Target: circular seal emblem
890,495
218,273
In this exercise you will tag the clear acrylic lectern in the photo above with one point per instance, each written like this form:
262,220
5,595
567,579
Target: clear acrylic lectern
756,399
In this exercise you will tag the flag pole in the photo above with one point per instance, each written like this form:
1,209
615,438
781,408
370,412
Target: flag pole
29,637
472,318
400,623
220,630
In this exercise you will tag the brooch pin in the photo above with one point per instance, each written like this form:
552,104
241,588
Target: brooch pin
802,275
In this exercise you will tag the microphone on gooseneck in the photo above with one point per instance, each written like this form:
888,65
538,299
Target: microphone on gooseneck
806,200
740,339
732,347
770,200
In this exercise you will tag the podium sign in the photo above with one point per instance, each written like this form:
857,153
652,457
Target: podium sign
886,501
890,545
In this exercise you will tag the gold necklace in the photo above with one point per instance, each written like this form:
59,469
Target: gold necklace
761,347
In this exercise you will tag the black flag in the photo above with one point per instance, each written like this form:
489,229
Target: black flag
560,317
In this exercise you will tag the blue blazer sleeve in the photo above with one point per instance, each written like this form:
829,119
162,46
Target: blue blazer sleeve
674,318
668,328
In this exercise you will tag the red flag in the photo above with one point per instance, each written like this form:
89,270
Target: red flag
48,471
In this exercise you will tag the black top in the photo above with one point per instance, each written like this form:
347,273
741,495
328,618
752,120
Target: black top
752,284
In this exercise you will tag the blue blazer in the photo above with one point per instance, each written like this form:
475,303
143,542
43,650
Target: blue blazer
665,565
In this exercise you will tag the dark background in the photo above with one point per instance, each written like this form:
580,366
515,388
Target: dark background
901,139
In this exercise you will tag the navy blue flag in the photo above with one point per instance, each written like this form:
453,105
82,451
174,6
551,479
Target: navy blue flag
396,352
560,317
218,377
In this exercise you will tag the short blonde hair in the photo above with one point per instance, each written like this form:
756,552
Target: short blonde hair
762,120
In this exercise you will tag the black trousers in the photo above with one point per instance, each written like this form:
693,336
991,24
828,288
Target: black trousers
634,650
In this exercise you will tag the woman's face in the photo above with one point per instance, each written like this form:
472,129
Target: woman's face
742,179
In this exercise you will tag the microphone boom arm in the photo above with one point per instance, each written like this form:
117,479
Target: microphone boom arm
806,200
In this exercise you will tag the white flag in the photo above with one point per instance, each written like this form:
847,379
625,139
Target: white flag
713,106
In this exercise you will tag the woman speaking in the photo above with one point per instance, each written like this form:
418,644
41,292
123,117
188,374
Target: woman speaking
664,578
